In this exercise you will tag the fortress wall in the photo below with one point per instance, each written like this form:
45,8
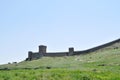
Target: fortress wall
71,52
103,46
35,55
57,54
79,52
96,48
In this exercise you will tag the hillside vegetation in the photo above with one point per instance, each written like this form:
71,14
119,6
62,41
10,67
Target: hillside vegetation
103,64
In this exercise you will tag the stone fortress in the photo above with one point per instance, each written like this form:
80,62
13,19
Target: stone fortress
43,51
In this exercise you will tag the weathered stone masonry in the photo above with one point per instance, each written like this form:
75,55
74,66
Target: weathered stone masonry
43,51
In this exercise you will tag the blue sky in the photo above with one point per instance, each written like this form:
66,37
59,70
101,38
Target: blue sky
59,24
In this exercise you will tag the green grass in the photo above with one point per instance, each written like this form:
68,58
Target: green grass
58,74
100,65
109,58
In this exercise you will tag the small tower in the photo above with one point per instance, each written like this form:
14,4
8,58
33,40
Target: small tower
71,51
42,49
30,55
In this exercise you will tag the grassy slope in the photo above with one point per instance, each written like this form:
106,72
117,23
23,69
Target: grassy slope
103,64
108,58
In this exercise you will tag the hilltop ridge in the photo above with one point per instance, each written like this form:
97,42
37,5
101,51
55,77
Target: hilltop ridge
107,56
43,51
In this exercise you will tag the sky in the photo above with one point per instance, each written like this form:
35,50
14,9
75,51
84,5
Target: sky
58,24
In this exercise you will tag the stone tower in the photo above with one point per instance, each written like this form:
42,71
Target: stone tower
42,49
71,51
30,55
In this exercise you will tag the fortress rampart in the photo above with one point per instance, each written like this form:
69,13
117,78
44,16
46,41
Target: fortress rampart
42,52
